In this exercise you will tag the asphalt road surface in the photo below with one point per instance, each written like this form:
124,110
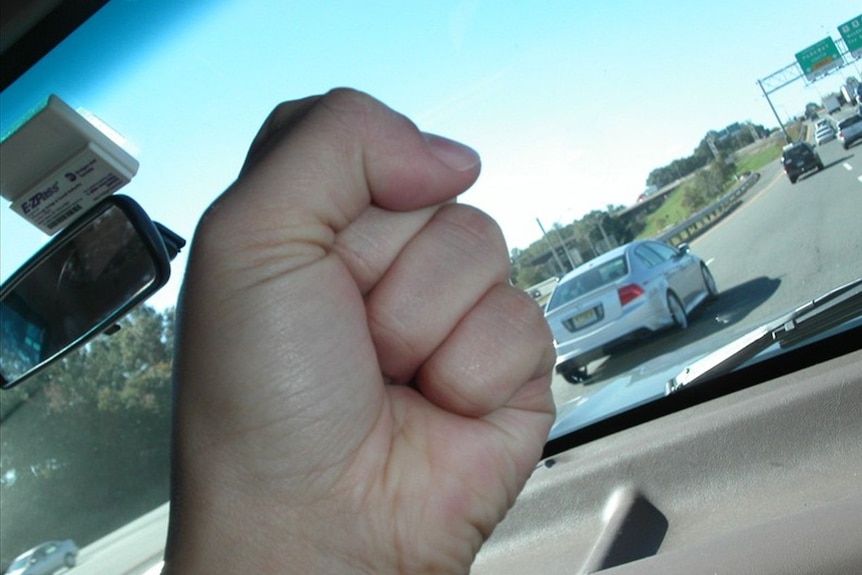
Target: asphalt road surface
786,244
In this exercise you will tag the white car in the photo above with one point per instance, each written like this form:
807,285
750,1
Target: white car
631,291
824,133
45,558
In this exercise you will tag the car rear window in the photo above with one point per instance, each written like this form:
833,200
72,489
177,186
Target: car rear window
795,152
590,280
849,121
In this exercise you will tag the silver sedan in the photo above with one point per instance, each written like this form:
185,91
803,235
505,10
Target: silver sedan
624,294
45,559
824,134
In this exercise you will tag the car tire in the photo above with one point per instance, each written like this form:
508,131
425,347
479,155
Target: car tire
709,282
574,374
69,560
677,311
820,166
792,180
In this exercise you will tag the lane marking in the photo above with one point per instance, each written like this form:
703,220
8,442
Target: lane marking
710,260
847,166
859,178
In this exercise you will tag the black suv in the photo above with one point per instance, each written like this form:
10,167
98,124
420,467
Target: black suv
799,158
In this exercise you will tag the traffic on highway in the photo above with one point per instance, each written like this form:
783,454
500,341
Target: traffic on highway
706,331
756,285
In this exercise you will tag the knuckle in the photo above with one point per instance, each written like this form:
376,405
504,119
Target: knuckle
524,313
474,232
348,106
347,97
528,320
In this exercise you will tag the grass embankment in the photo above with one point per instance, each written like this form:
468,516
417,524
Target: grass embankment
672,210
759,154
755,160
677,207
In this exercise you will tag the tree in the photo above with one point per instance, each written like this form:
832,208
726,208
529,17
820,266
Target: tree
710,183
86,444
703,155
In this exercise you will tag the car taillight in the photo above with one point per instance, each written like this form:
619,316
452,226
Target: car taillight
629,293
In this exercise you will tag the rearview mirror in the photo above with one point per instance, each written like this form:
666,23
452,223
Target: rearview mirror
86,278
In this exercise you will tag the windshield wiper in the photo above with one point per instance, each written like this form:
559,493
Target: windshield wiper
810,319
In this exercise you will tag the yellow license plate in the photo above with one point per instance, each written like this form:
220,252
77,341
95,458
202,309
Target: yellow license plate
585,318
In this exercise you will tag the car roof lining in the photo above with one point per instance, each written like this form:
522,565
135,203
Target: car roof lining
29,29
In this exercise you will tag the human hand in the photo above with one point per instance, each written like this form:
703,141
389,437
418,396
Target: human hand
358,387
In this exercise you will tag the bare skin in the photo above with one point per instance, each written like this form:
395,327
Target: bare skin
358,387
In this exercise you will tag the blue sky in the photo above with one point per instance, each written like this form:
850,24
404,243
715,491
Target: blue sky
571,104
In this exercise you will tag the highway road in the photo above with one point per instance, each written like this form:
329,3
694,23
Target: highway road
786,244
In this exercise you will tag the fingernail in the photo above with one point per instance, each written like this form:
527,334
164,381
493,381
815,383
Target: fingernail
454,154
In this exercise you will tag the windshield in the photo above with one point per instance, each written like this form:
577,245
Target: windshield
598,124
20,563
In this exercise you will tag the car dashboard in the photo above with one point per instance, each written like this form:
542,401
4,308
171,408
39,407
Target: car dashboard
765,479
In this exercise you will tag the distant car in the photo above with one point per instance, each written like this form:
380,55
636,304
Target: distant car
45,558
821,123
850,130
824,134
799,158
646,194
631,291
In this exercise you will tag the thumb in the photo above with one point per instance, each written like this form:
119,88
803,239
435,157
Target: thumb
376,152
315,166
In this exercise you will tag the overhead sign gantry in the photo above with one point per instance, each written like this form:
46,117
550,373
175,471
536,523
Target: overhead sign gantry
816,61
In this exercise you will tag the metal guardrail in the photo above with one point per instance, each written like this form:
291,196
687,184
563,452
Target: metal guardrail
685,231
706,217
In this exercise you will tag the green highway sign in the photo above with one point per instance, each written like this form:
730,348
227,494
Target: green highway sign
818,59
851,32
